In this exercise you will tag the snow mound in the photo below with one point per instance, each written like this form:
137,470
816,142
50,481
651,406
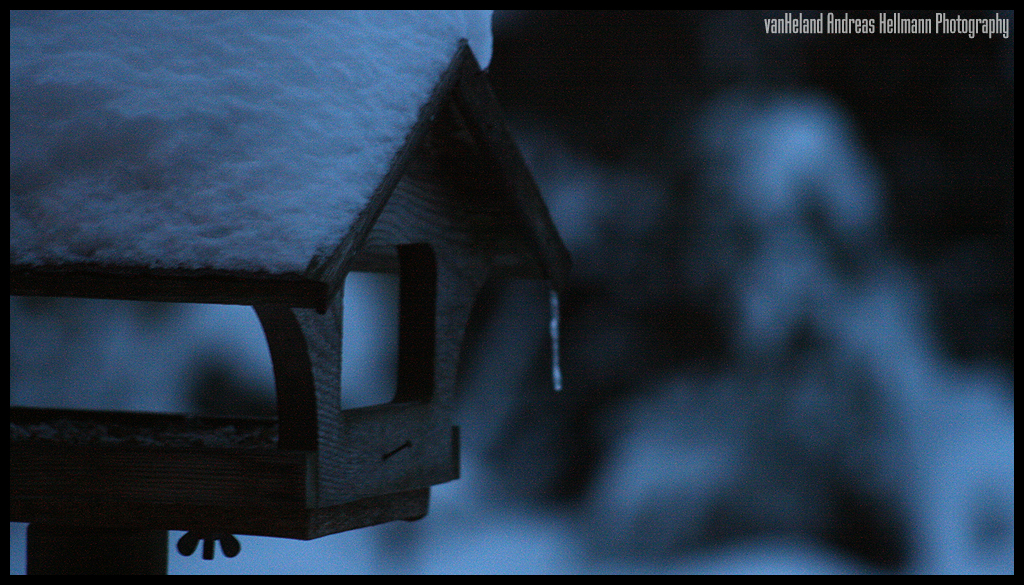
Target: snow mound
228,140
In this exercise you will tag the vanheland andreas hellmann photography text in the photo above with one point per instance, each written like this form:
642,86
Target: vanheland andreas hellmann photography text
829,23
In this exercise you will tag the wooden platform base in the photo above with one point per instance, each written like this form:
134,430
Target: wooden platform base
156,471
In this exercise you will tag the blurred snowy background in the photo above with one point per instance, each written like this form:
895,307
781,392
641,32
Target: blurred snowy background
787,345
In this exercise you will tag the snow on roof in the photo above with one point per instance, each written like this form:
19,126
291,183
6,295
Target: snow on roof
225,140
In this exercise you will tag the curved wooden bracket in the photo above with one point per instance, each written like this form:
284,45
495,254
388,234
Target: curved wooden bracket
296,365
406,444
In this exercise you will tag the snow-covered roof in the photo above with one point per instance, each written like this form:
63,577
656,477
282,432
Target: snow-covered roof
212,140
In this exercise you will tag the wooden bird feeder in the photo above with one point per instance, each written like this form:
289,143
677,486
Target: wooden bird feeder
456,206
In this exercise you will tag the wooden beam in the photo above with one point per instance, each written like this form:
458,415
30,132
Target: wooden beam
106,475
167,285
279,521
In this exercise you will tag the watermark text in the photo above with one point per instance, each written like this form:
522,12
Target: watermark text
888,24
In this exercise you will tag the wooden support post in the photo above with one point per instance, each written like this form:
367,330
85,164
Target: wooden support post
55,549
417,331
